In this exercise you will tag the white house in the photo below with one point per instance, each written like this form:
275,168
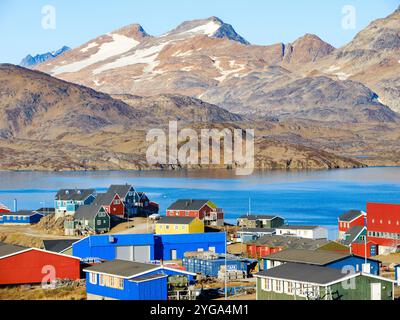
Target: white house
307,232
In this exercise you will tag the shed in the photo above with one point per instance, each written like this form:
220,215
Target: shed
59,246
22,217
21,265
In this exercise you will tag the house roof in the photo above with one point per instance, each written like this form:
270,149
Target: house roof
304,273
188,204
150,277
46,210
276,241
292,227
24,213
74,194
126,269
314,257
87,211
58,245
352,235
259,217
7,249
122,190
104,199
351,215
175,220
256,230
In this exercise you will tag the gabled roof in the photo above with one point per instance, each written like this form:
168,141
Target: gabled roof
125,269
188,204
74,194
87,212
318,257
304,273
122,190
46,210
58,245
175,220
105,199
9,249
259,217
291,227
351,215
352,234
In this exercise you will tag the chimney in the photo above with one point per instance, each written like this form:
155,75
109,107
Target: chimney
15,205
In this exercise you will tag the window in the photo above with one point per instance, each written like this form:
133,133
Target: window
176,227
167,227
111,282
266,284
277,284
93,278
289,288
187,213
99,222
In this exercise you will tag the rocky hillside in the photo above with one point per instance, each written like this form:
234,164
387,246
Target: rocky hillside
29,61
209,60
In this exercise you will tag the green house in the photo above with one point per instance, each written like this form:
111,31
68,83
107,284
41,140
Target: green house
92,218
295,281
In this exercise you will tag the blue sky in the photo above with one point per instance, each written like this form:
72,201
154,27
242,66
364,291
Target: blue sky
259,21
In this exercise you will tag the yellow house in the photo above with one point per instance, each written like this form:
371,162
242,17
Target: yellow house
179,225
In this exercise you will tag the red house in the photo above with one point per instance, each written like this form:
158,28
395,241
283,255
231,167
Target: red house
19,265
383,224
205,210
4,209
349,220
112,203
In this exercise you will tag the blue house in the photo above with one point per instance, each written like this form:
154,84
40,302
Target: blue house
147,247
346,262
397,274
67,201
126,280
21,217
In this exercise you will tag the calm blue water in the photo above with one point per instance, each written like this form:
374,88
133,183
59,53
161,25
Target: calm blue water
301,197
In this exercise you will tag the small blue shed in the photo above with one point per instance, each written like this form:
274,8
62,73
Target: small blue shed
397,274
20,217
126,280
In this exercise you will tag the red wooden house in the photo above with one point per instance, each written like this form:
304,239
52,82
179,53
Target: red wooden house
4,209
352,218
19,265
112,203
383,224
205,210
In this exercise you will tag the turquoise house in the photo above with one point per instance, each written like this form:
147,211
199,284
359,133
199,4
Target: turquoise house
67,201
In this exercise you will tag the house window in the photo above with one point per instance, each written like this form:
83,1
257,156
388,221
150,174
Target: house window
112,282
93,278
289,288
266,284
99,222
187,213
373,220
176,227
167,227
277,284
117,202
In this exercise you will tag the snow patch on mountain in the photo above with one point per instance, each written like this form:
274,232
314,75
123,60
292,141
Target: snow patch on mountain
119,45
89,46
208,29
146,56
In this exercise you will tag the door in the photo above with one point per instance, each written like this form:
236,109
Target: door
376,291
141,253
174,255
124,253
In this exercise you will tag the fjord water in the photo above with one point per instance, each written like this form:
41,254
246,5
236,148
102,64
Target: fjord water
312,198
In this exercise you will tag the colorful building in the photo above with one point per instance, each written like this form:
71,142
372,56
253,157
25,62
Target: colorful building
307,232
125,280
293,281
24,217
205,210
383,224
178,225
4,209
147,247
260,221
92,218
323,258
112,203
349,220
21,265
67,201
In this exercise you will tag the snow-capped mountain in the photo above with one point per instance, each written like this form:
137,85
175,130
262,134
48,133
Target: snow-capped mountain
208,60
30,61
